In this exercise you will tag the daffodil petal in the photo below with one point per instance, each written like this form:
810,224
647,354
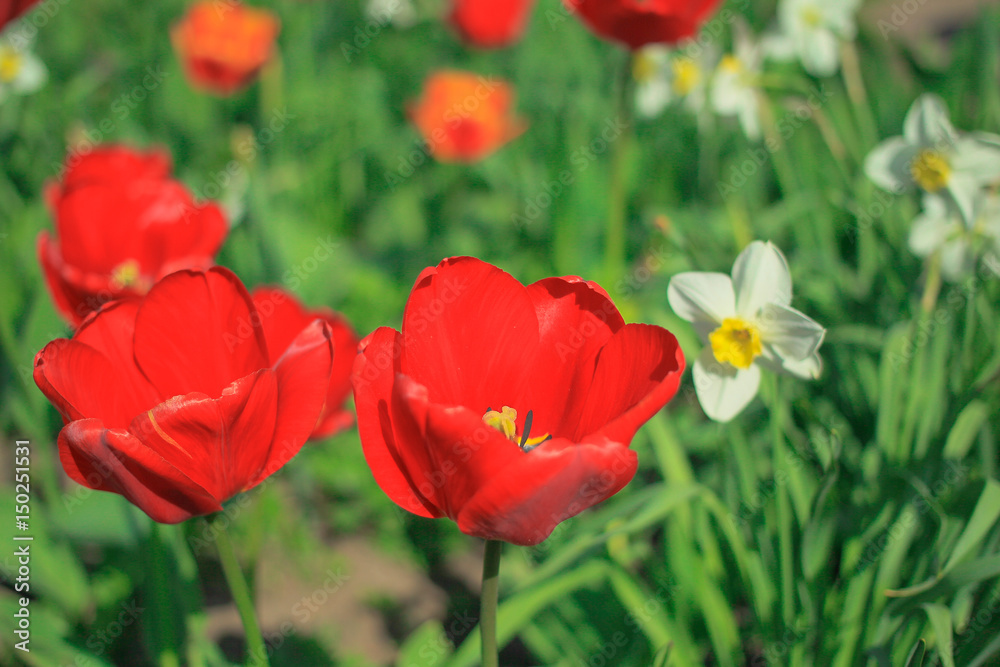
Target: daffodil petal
793,335
888,164
722,390
809,368
932,227
699,296
927,125
760,277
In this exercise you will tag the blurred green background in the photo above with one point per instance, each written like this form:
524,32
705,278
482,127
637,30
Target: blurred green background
771,540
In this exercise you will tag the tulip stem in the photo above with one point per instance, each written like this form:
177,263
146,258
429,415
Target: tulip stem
488,603
614,243
256,649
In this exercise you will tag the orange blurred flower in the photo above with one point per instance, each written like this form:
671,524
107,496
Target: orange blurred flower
223,44
464,117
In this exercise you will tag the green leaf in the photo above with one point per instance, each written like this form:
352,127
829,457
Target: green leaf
940,617
984,517
916,657
428,645
963,433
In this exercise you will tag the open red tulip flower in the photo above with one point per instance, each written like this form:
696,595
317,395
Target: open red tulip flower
11,9
636,23
121,224
223,45
175,400
508,408
490,24
283,318
465,117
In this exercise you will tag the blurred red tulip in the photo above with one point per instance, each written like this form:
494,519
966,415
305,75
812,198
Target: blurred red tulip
175,402
283,318
491,23
636,23
465,117
11,9
508,408
224,44
121,224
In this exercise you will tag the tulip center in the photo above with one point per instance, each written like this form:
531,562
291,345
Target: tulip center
505,421
736,342
10,64
687,75
125,275
930,170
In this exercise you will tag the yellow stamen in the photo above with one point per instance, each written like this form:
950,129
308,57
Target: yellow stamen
503,421
930,170
125,274
736,342
10,64
687,75
506,423
812,17
643,67
731,64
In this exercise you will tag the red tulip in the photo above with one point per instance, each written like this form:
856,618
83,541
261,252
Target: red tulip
11,9
490,23
636,23
174,400
121,224
508,408
223,45
283,318
465,117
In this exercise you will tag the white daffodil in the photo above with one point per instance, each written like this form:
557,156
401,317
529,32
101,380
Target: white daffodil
735,86
811,30
932,156
939,228
747,322
400,13
21,72
663,76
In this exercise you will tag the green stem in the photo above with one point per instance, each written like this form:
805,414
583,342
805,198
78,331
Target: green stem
614,243
488,603
163,619
256,649
785,546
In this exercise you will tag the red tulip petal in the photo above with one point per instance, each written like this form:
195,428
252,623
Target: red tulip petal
51,261
470,335
454,452
375,369
575,320
637,373
116,461
488,23
249,409
198,331
282,317
556,481
189,433
101,352
303,375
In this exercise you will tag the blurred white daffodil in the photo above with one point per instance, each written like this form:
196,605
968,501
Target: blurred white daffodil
939,228
811,30
735,86
932,156
747,322
21,72
665,75
400,13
